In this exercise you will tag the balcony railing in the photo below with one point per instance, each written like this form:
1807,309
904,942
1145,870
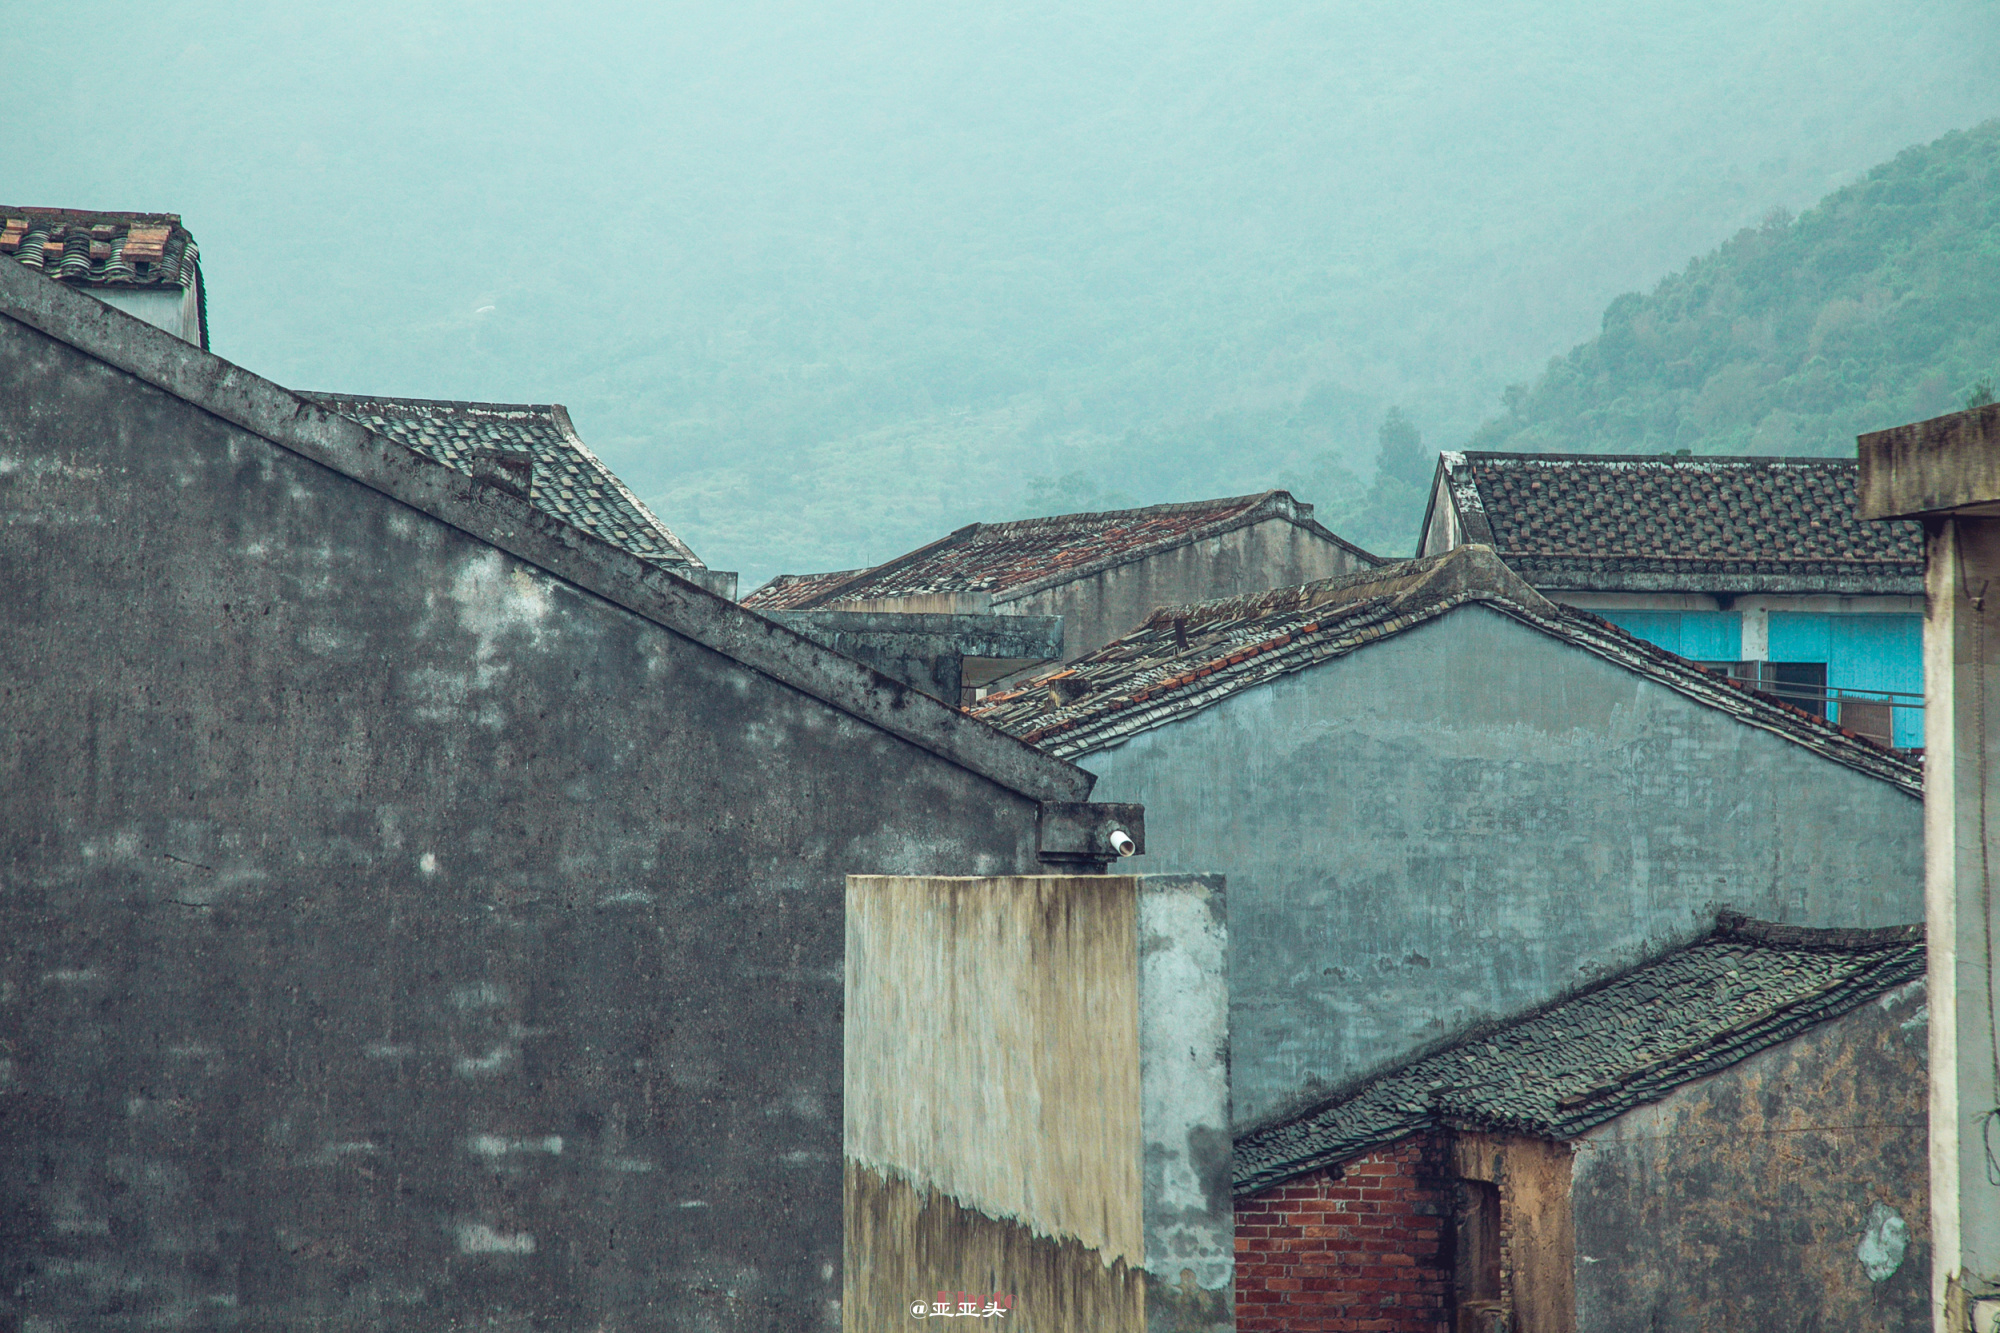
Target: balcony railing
1874,714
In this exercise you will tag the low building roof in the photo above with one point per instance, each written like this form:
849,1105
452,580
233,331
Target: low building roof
1652,523
563,549
1012,560
1187,659
569,480
1632,1040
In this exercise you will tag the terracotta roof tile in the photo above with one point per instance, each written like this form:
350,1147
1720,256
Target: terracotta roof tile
1560,1072
87,249
790,592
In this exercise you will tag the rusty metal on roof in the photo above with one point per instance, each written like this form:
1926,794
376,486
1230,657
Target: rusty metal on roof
1187,659
86,249
569,481
1010,560
1582,520
1573,1066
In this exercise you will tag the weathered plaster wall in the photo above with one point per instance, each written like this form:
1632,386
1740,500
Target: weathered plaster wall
1787,1192
175,309
1037,1100
1469,819
391,934
1099,607
1537,1237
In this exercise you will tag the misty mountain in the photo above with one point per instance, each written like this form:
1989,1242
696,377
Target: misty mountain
1874,308
825,280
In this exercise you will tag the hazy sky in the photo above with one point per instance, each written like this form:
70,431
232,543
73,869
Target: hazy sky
749,243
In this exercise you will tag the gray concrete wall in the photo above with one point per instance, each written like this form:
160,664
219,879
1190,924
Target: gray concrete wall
393,935
1787,1192
1469,819
1100,607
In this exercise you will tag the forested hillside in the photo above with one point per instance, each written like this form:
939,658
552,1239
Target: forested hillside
1879,306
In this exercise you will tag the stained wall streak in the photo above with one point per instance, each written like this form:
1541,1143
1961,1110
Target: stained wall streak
992,1047
923,1246
1037,1075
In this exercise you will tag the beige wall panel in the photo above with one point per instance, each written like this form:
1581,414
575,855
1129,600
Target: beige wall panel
1003,1013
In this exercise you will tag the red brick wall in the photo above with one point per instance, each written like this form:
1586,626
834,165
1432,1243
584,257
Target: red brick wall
1356,1249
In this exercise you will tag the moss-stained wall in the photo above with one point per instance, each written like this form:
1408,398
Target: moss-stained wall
1788,1192
999,1139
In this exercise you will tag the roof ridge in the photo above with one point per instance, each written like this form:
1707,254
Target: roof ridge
1175,507
1673,460
1299,633
457,404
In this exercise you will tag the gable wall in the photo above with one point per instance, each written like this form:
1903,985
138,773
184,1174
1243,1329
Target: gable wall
1469,819
1758,1197
391,934
1100,607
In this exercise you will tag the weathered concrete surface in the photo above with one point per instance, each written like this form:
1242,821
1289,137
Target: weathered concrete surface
931,651
1787,1192
392,933
1947,471
1950,464
1037,1099
1469,819
1189,1216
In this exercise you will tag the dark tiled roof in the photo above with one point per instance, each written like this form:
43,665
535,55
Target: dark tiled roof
1010,560
1557,1074
569,480
1578,521
1186,659
790,592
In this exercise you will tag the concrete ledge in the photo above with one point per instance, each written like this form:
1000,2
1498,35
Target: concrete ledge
1947,465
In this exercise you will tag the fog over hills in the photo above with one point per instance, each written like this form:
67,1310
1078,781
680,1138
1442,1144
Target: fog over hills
826,280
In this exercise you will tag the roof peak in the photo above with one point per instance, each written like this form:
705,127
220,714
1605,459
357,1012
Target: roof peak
1465,571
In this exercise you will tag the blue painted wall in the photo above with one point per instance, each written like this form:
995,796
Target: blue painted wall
1866,651
1703,636
1861,652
